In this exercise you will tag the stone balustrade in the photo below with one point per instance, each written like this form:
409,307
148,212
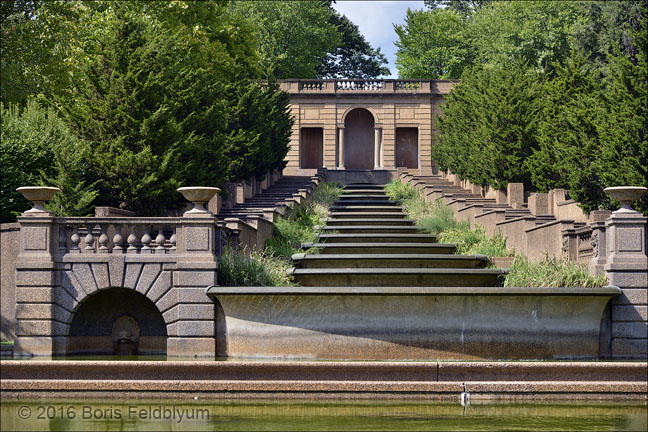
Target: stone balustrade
131,235
346,86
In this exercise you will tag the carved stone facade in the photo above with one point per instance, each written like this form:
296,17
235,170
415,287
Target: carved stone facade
363,124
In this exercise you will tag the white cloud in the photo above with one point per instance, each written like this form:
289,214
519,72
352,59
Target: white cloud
375,20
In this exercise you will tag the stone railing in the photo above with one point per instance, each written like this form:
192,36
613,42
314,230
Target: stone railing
407,85
118,235
358,85
351,86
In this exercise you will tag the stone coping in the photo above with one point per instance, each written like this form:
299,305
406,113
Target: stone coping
548,224
415,291
173,379
279,369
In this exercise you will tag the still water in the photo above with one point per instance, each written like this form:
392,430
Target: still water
273,415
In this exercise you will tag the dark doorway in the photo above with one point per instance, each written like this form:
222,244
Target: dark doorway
117,321
311,142
407,147
359,139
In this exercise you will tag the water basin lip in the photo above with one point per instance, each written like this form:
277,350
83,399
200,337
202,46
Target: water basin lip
609,291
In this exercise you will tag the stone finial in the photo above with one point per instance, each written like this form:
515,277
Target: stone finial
199,196
626,195
38,195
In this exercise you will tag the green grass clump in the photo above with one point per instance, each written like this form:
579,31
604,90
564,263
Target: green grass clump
439,218
435,217
304,224
551,272
252,268
400,191
475,242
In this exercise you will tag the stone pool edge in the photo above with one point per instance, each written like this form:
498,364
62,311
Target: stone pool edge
324,380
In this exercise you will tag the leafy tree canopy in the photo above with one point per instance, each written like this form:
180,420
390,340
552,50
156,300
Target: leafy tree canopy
431,44
310,39
465,8
354,57
293,36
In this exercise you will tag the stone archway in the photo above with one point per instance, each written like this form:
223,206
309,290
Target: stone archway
359,139
117,321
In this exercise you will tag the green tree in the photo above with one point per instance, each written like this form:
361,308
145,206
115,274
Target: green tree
568,142
431,44
623,128
488,125
354,57
603,28
37,148
168,91
34,47
293,37
465,8
534,32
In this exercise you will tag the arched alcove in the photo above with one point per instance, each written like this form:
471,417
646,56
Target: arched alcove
359,139
117,321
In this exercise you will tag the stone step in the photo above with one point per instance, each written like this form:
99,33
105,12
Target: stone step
366,202
363,192
377,238
366,208
360,229
383,277
382,248
366,215
364,186
372,260
363,197
332,222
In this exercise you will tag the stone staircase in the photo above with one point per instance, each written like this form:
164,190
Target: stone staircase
275,197
368,241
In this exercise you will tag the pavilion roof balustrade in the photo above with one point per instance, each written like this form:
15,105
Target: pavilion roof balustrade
366,86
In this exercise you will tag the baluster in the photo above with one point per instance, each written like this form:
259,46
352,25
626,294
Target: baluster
132,241
88,240
159,241
75,239
103,240
118,239
146,240
62,239
173,241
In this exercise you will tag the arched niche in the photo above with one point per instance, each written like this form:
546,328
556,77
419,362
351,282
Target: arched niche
116,321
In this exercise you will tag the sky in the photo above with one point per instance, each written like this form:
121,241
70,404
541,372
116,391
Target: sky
375,20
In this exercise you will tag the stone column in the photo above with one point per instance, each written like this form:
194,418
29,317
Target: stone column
377,148
627,268
191,314
40,323
341,147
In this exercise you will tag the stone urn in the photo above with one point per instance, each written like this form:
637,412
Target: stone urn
626,195
199,196
38,195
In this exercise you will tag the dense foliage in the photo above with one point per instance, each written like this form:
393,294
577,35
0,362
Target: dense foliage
552,94
158,94
37,148
310,39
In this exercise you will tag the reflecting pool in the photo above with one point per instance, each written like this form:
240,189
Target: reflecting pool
289,415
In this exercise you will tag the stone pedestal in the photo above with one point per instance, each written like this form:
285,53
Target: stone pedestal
627,268
37,329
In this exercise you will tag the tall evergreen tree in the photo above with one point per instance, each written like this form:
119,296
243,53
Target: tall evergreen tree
567,138
488,125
